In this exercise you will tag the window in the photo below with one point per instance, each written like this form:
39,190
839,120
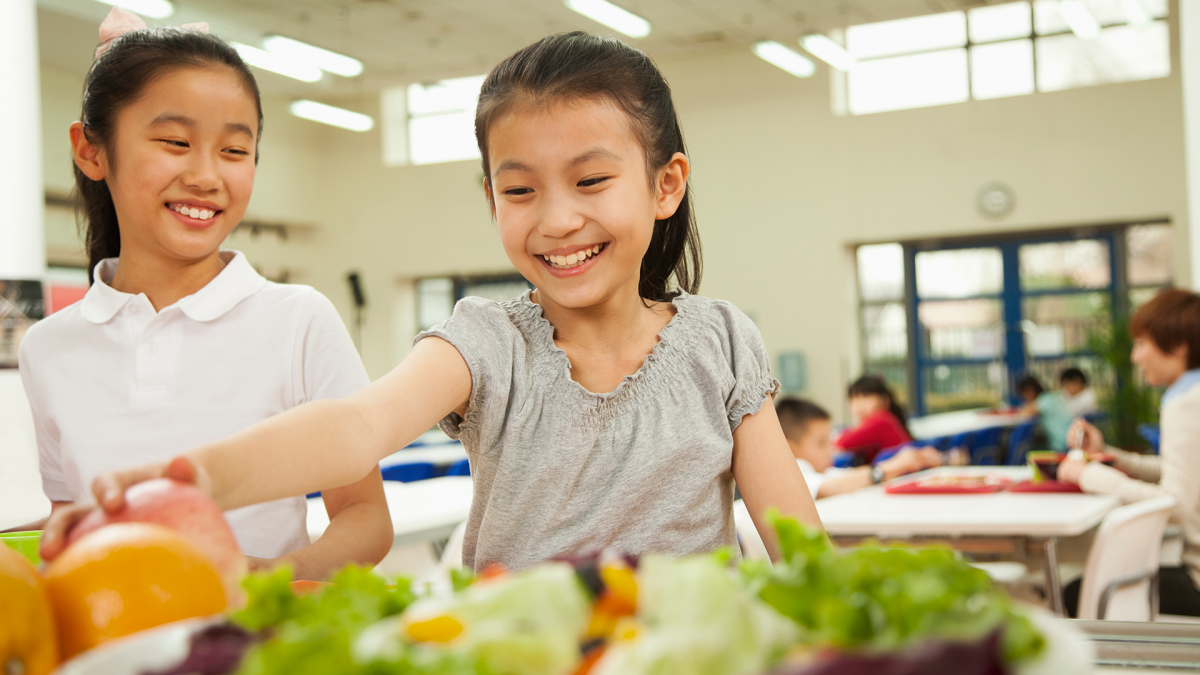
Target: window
977,315
1001,50
430,123
436,296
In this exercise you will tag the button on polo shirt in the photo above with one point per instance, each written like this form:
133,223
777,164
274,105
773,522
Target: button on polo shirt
114,384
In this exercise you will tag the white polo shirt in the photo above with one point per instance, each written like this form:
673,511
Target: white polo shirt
114,385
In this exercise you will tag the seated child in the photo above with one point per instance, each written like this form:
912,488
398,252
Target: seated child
880,419
806,427
1079,397
1050,406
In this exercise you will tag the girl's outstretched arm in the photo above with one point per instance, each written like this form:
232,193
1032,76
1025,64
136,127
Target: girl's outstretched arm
319,445
768,476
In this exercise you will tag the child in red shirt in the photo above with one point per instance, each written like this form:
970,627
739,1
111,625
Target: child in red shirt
880,419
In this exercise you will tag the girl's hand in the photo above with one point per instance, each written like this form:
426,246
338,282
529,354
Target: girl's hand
1069,471
1083,435
110,488
60,522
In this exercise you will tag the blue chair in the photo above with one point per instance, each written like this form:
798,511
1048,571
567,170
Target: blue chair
1019,441
985,449
1151,433
888,453
962,440
845,459
408,473
459,468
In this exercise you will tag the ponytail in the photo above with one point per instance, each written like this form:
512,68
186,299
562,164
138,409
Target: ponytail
873,385
94,206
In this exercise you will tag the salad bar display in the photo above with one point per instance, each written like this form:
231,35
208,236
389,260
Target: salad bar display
818,611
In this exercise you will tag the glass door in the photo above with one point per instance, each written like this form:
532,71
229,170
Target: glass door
982,315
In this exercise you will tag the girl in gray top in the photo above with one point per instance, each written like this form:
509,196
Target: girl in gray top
610,407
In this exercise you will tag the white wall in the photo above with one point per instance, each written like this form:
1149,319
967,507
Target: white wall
782,189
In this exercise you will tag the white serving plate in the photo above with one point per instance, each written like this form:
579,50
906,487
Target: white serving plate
154,649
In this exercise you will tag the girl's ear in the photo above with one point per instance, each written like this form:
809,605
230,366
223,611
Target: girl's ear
87,156
671,186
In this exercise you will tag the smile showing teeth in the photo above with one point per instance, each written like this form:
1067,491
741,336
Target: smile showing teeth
566,262
192,212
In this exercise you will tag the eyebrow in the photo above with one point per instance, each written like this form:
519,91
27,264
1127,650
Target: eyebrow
171,118
594,153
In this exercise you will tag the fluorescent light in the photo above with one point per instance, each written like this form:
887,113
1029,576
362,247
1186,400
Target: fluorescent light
327,114
277,64
155,9
1135,12
324,59
617,18
777,55
1081,21
828,51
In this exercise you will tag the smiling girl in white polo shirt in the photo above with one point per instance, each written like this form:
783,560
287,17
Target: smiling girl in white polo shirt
177,342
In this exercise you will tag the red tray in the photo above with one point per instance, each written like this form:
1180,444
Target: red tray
1044,486
927,486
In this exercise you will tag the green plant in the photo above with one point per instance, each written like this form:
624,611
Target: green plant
1130,401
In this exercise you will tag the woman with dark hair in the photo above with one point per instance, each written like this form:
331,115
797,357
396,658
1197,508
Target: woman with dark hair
881,419
610,408
177,342
1166,349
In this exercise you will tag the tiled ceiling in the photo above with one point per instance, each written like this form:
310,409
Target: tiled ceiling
404,41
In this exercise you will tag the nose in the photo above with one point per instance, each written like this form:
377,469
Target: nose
560,216
201,173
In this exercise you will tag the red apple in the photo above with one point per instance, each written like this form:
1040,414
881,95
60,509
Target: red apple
186,510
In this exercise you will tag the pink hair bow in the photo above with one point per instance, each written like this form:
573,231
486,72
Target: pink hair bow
119,22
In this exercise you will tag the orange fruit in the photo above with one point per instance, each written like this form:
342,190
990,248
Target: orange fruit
28,642
128,577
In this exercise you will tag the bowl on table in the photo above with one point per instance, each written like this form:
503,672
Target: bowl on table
1045,464
25,543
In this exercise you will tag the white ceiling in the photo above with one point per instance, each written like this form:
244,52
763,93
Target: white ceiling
404,41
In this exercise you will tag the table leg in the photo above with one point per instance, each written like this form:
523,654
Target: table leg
1053,585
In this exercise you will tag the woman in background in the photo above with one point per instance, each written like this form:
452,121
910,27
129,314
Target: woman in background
1166,348
880,419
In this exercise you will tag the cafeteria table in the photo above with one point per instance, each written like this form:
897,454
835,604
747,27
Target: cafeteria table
961,422
426,510
970,522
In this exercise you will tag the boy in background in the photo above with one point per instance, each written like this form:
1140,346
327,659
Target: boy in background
1079,397
807,427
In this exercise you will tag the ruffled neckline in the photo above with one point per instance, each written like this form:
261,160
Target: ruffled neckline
673,339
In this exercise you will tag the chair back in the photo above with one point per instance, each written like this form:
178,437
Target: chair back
1120,581
753,547
460,468
408,473
452,553
1152,435
1019,441
985,450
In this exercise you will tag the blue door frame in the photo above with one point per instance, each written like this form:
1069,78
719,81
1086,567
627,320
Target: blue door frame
1015,358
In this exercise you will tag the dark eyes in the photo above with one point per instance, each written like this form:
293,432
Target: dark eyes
516,192
587,182
592,182
183,144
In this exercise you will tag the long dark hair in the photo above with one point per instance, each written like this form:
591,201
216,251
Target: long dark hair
115,80
873,385
575,66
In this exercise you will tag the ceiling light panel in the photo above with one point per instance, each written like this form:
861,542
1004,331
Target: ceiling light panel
155,9
781,57
277,64
327,114
332,62
617,18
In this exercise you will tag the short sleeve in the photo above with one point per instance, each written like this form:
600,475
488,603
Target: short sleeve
325,363
54,483
485,336
749,364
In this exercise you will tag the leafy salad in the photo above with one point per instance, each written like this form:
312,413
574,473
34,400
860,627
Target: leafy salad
819,610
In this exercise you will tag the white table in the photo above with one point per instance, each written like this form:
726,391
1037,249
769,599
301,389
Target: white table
1044,517
959,422
426,510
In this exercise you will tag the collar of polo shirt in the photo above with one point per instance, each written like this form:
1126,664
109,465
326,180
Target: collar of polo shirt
235,283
